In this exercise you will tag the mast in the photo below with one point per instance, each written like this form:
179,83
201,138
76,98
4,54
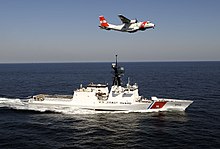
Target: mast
118,72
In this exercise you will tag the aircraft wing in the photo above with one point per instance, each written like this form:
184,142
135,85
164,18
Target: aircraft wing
124,19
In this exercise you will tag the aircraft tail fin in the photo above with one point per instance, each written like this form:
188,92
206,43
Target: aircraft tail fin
103,22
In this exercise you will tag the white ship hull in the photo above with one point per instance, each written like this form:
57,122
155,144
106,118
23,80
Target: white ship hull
154,105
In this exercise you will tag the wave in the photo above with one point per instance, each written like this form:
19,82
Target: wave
22,104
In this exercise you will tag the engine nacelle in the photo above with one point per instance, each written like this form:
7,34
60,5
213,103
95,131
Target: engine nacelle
133,21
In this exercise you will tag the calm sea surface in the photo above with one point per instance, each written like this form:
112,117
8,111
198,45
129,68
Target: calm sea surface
197,127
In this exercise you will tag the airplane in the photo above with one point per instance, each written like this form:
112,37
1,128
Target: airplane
127,25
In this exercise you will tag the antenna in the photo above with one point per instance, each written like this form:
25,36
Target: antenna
118,72
128,80
116,60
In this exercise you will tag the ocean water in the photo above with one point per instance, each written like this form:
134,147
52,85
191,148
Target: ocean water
197,127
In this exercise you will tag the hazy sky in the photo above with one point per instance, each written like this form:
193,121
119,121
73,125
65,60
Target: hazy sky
67,30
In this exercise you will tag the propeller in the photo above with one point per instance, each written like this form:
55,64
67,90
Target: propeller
136,20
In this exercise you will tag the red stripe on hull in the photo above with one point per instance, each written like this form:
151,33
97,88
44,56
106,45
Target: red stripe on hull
158,104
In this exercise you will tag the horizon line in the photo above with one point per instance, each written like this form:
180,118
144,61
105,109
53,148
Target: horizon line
63,62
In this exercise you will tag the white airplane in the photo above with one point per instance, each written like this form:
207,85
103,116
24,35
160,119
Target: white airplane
127,25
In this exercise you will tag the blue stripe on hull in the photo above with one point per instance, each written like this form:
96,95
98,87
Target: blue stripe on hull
151,105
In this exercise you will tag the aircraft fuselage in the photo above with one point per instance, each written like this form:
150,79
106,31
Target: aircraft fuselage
130,26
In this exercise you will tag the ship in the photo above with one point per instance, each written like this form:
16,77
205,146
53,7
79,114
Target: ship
117,97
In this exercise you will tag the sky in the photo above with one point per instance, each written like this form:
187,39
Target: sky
35,31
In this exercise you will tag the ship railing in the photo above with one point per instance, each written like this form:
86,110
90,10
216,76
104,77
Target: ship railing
59,96
41,97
